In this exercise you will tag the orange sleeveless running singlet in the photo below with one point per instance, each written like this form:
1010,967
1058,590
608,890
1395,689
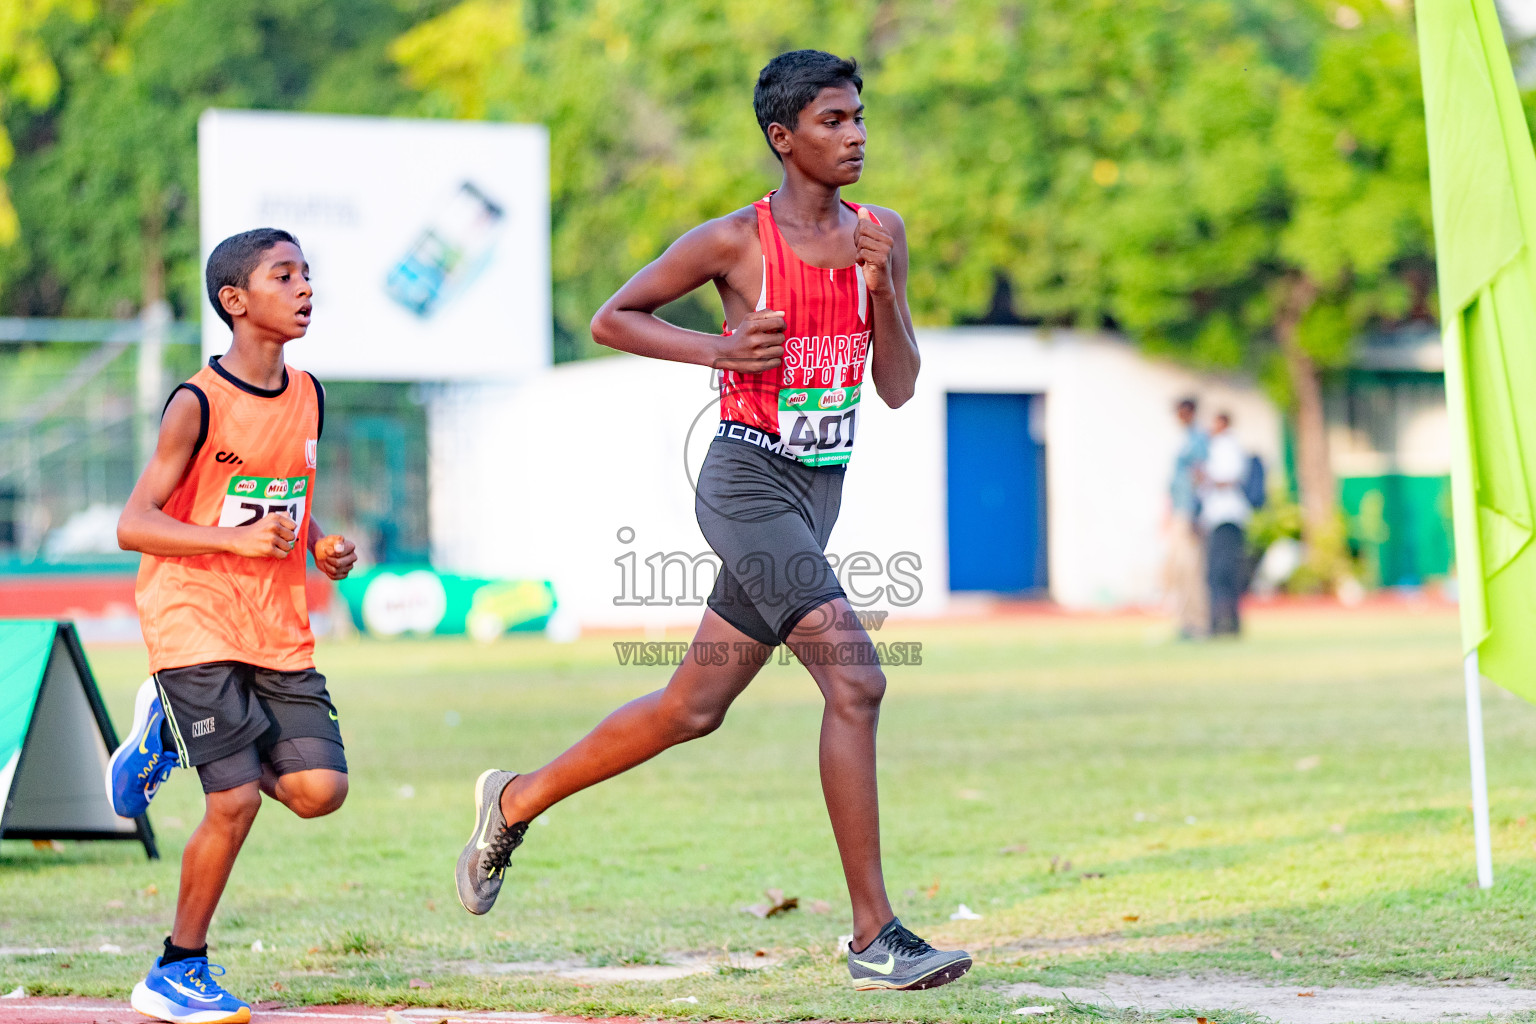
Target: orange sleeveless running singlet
255,455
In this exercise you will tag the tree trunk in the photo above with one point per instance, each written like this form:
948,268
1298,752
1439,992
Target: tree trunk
1319,499
152,273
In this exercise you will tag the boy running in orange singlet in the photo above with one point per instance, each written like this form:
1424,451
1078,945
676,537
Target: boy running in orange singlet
814,287
218,514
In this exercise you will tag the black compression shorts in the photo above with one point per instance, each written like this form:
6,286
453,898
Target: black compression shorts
768,518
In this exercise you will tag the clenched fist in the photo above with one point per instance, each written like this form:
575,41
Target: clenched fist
873,244
757,343
335,556
271,536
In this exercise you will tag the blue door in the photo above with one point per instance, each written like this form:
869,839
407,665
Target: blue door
996,485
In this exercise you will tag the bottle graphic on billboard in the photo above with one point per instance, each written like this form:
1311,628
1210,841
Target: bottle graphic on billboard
449,253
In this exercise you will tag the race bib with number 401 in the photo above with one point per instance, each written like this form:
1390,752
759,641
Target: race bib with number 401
816,425
252,498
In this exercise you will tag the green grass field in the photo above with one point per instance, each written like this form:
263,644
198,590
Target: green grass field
1291,807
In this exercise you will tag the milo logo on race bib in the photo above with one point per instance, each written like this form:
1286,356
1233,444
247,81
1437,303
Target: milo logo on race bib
252,498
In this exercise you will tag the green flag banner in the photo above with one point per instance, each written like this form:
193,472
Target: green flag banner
55,739
24,651
1483,189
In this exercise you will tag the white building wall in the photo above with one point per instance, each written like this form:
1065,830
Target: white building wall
1424,440
538,479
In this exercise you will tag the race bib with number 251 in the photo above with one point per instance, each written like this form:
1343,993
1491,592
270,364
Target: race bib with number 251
251,498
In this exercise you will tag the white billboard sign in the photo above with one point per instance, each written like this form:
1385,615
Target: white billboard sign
428,241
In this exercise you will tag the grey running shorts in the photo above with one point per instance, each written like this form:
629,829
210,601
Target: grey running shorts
768,518
228,717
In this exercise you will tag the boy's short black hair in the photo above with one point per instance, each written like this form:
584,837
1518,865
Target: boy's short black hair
233,259
792,80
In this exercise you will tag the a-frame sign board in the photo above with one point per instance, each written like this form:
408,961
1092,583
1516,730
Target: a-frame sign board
55,740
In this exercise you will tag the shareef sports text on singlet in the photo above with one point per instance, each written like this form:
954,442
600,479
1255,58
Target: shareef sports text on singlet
818,397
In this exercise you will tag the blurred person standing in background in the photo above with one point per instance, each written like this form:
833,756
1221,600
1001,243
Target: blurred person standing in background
1186,547
1224,515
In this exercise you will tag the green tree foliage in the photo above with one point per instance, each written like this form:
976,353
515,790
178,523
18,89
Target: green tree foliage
1235,183
29,79
1116,162
649,108
106,180
1071,149
1107,158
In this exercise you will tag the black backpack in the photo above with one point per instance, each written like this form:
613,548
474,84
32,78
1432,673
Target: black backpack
1253,483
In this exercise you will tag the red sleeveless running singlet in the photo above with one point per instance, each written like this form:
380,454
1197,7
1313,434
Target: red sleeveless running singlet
811,400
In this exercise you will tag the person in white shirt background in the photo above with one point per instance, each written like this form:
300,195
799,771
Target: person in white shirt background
1224,515
1187,584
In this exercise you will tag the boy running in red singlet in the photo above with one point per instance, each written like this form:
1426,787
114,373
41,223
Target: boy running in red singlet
814,288
218,513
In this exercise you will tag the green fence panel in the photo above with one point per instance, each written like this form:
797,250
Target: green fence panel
1401,525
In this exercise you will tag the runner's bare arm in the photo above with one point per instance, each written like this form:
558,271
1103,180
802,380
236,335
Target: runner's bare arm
882,253
145,527
710,252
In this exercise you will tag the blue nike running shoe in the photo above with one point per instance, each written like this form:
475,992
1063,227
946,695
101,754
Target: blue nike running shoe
185,993
139,766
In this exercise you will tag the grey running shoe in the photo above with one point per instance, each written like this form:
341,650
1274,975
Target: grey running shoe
490,846
900,960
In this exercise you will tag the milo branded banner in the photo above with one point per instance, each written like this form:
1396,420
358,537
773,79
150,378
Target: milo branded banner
401,599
